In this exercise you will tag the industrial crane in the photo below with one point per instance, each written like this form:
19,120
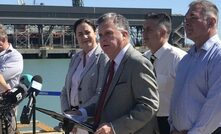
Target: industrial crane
21,2
77,3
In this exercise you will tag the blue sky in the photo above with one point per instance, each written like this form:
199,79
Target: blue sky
177,6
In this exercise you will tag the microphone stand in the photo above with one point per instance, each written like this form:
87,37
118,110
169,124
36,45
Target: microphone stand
29,111
34,114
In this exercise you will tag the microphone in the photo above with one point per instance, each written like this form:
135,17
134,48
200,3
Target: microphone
35,88
26,80
13,97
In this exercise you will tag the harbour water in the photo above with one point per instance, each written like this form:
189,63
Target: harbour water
53,73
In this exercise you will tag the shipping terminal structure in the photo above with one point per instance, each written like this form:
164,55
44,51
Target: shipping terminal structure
40,31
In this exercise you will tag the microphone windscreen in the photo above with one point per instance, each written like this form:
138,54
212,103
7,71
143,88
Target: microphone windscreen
16,95
36,85
26,80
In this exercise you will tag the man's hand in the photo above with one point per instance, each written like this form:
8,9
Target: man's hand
104,129
74,130
67,126
4,87
76,115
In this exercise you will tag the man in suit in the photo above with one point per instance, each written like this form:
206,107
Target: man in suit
131,100
195,104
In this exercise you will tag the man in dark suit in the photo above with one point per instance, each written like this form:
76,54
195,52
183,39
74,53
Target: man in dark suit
128,103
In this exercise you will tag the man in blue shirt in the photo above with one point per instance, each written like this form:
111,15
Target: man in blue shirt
195,104
11,67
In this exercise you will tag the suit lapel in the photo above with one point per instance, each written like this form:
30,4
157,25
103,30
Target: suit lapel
118,73
73,66
87,67
92,59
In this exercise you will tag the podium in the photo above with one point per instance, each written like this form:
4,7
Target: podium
62,118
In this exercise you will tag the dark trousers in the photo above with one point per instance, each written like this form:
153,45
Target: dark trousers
163,125
11,123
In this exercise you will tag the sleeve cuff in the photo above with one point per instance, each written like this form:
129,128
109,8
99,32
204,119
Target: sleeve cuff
112,127
84,114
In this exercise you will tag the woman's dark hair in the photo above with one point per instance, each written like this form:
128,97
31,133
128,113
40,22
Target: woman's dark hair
83,20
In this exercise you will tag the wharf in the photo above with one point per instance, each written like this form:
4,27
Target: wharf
41,128
47,52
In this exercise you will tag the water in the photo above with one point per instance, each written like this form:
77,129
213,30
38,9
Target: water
53,73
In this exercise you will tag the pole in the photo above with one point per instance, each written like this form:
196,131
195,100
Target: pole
34,115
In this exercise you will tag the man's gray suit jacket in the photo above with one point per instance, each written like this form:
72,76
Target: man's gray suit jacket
132,99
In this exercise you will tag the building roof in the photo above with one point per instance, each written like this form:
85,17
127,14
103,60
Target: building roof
64,15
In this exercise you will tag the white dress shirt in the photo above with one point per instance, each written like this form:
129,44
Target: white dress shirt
167,59
120,56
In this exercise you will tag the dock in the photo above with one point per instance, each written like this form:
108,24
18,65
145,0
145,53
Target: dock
48,52
41,128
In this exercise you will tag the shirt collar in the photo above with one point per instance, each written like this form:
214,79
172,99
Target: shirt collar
121,54
89,54
9,49
207,45
160,51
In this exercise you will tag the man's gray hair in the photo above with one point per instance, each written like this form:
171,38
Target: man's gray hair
208,7
119,20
